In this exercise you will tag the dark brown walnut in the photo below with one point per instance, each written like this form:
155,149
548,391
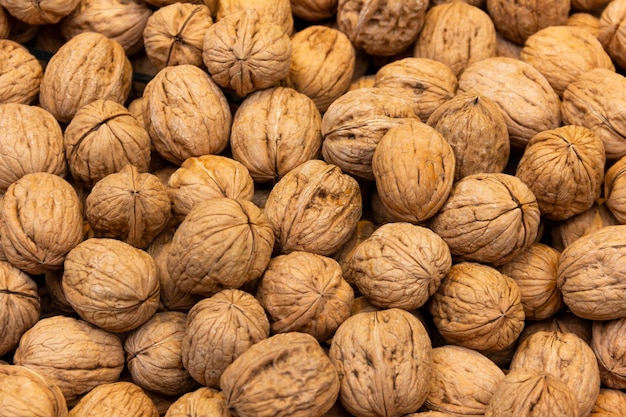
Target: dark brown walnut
475,128
117,399
525,392
120,20
381,28
313,10
428,83
608,342
354,124
589,5
535,272
462,381
31,141
76,359
280,12
204,177
305,292
400,265
275,130
457,34
5,26
43,221
564,168
21,32
219,329
322,64
222,243
246,52
565,356
413,168
37,12
614,191
516,21
563,53
585,21
86,68
20,306
478,307
185,113
20,73
25,392
201,402
590,274
564,322
314,208
527,101
612,33
609,402
174,34
364,229
563,233
384,361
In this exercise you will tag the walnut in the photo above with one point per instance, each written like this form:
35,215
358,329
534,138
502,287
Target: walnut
42,222
20,73
608,402
565,232
185,113
612,33
354,124
322,64
614,192
25,392
53,281
116,399
5,26
135,108
589,5
211,4
590,274
314,208
527,101
128,288
174,34
275,130
201,402
313,10
429,413
585,21
506,48
219,329
39,12
364,229
475,128
609,346
280,12
384,361
565,356
222,243
363,81
564,321
477,3
72,354
70,82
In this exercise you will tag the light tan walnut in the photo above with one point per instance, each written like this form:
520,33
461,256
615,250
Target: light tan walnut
609,402
313,10
585,21
506,48
614,191
116,399
37,12
25,392
564,322
21,73
364,229
565,232
279,12
608,342
612,33
363,81
201,402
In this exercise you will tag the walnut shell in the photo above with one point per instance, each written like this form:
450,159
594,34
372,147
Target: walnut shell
220,329
32,141
280,12
305,292
565,232
185,113
38,12
5,25
614,191
313,10
585,21
25,392
527,101
72,354
609,345
612,31
506,48
608,403
201,402
364,229
589,5
384,361
20,73
117,399
70,82
564,322
275,130
314,208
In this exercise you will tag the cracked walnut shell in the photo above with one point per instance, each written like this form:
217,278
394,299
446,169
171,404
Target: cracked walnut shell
25,392
20,73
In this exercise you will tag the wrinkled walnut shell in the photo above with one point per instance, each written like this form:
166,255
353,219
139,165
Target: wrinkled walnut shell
612,30
565,232
279,12
608,402
201,402
35,12
609,345
115,399
26,392
615,199
20,73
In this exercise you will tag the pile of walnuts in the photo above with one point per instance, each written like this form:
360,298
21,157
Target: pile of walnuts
312,208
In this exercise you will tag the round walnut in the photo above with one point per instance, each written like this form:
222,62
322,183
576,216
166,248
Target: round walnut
474,127
525,392
314,208
413,167
400,265
43,220
185,113
488,218
478,307
201,402
565,356
117,399
364,229
39,12
174,34
25,392
20,73
313,10
612,34
76,359
322,64
219,329
563,233
609,345
428,83
564,168
608,403
222,243
564,322
585,21
384,361
615,191
594,101
457,34
590,274
354,124
279,12
275,130
120,20
527,101
246,52
305,292
31,141
86,68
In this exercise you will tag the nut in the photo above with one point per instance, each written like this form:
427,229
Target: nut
44,398
565,232
203,401
611,33
608,345
121,398
608,401
37,12
20,73
280,12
